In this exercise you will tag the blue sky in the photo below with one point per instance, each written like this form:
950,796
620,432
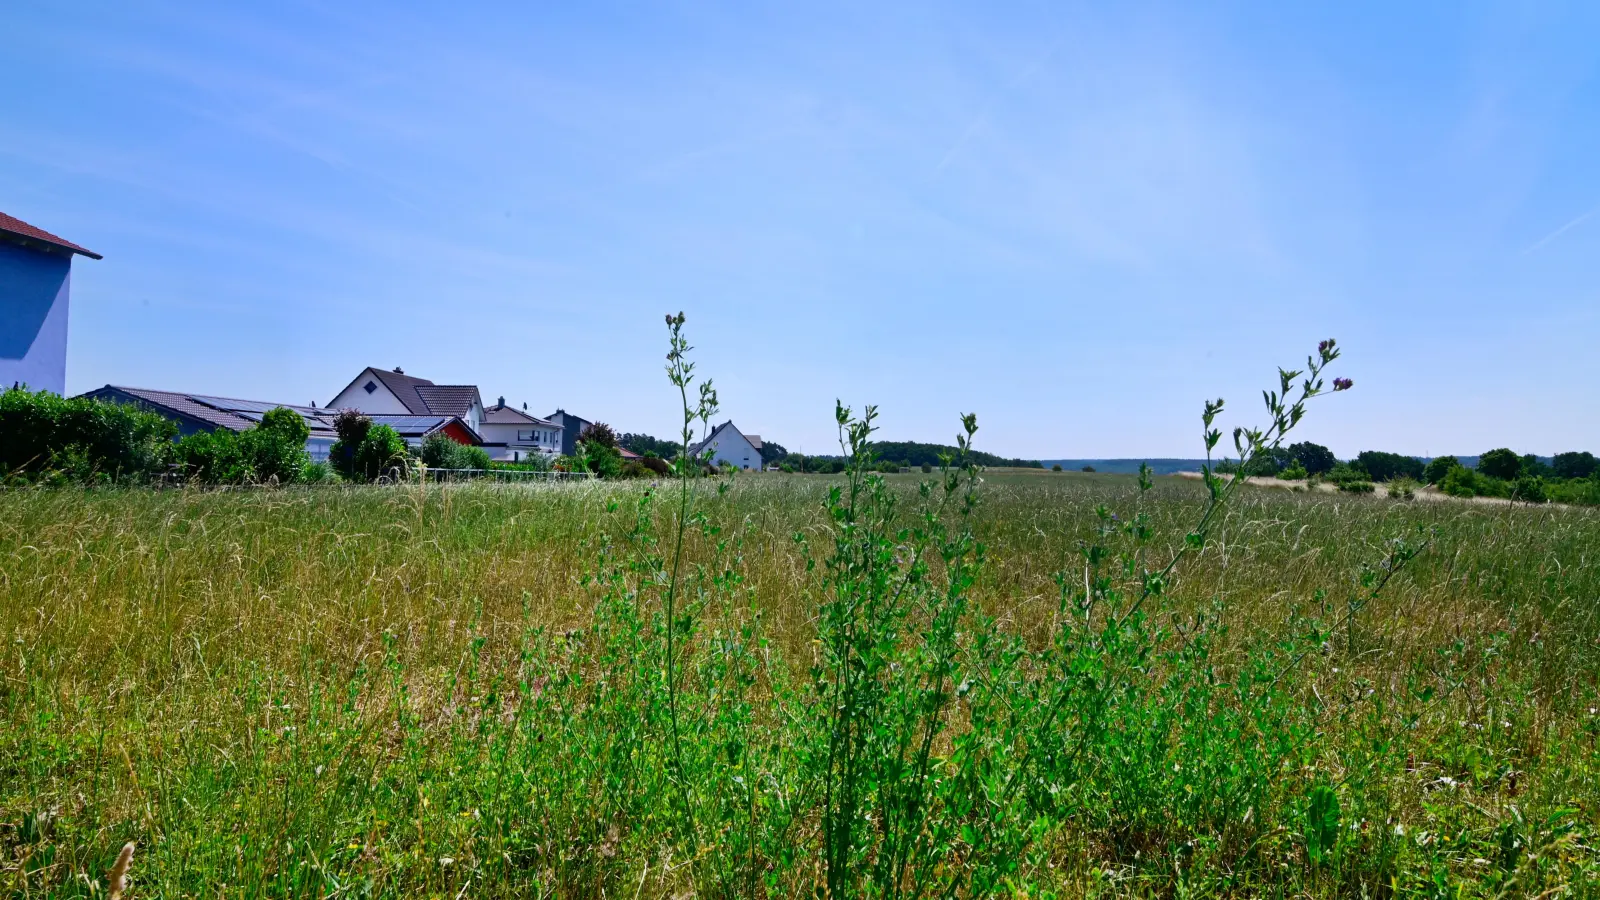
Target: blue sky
1077,221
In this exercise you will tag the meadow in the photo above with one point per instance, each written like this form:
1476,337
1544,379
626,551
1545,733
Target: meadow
486,690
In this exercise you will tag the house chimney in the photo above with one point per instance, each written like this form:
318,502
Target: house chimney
502,403
399,371
524,406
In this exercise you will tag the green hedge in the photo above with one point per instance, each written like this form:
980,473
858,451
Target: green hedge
50,438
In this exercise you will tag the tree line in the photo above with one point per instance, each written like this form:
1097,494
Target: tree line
1569,477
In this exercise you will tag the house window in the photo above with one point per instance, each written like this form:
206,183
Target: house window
370,387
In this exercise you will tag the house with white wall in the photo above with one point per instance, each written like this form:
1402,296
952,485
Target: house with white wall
727,444
394,393
511,435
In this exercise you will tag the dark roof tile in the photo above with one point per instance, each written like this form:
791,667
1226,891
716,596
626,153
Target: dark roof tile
17,228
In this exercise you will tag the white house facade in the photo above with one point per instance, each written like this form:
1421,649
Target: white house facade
727,444
511,435
394,393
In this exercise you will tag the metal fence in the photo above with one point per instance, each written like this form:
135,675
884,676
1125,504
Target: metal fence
504,475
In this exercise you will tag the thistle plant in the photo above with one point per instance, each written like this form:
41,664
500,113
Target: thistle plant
680,371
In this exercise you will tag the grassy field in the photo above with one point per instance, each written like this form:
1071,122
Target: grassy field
460,692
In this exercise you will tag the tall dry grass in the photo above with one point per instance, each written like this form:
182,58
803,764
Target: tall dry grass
294,692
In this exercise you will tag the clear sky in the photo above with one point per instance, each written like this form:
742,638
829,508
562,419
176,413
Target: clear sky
1076,221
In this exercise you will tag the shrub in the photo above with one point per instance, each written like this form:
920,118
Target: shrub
634,468
1437,468
382,454
1056,467
1575,490
1403,488
273,451
661,467
317,473
80,439
600,459
440,451
475,457
1089,469
1500,463
351,427
926,469
214,457
277,446
1347,472
1528,489
1295,472
1460,482
366,452
1355,487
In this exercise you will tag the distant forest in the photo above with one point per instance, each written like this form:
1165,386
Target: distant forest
914,453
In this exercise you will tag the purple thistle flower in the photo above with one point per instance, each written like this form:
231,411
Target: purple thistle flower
1342,384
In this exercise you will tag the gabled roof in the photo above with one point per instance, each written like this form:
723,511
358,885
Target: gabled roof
564,415
23,233
507,415
238,415
448,399
421,396
212,412
697,449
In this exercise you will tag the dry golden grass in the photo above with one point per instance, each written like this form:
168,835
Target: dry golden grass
169,656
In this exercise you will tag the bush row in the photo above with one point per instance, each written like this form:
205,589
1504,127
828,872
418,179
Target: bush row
49,439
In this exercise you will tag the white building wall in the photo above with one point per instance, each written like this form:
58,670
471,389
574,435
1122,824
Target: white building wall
381,402
731,447
544,439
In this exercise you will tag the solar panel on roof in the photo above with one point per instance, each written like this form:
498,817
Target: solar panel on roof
241,407
238,406
409,420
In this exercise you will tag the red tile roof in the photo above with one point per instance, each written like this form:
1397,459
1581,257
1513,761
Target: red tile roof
16,228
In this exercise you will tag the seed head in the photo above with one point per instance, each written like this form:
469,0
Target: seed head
119,871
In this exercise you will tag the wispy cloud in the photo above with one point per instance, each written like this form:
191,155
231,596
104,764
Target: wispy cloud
982,118
1547,239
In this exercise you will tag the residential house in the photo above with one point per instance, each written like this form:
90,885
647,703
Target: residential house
727,444
202,412
394,393
35,283
571,429
510,434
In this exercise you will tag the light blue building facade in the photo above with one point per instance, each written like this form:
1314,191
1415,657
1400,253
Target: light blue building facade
35,295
